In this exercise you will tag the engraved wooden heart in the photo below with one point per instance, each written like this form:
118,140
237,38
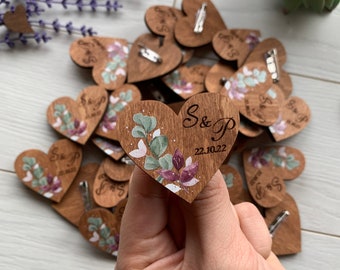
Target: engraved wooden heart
266,168
141,68
287,237
118,100
16,21
182,152
51,174
258,55
101,228
235,44
294,117
250,90
108,57
78,119
106,191
187,81
184,28
72,206
109,147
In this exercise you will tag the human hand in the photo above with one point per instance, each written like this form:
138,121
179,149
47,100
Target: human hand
161,231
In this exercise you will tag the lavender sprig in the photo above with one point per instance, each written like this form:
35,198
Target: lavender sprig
10,39
70,29
81,4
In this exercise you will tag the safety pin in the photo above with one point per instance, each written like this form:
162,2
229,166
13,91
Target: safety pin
200,19
149,54
85,194
277,222
273,64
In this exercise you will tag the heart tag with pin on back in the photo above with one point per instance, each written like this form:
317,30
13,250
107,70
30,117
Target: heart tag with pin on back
50,175
182,152
107,56
78,119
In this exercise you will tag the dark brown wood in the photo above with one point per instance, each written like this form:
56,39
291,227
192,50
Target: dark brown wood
16,21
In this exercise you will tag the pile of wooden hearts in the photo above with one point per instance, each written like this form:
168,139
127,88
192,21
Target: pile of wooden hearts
247,103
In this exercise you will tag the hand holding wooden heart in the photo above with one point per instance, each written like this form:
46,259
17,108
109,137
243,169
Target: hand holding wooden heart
50,175
184,28
107,56
78,119
182,152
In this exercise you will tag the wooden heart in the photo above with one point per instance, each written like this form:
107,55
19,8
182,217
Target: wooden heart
118,100
217,76
101,229
184,28
16,21
106,191
266,168
141,68
117,171
232,45
234,182
287,237
250,89
107,56
294,117
78,119
50,174
187,81
182,152
72,206
258,55
110,148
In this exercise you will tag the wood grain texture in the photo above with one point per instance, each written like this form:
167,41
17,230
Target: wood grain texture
28,85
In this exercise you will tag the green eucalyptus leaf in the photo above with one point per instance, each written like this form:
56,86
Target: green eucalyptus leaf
158,145
38,172
35,183
43,181
95,221
166,162
102,242
31,161
92,228
151,163
104,232
26,167
138,132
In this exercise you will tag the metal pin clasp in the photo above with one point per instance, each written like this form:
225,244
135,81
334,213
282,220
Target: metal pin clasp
277,222
85,194
149,54
200,19
273,64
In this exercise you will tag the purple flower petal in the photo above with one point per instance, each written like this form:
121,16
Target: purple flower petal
169,175
178,160
189,172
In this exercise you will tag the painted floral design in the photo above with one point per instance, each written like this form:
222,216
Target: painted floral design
65,123
118,54
279,127
229,179
238,87
48,185
178,172
107,147
252,40
101,234
117,104
178,84
260,157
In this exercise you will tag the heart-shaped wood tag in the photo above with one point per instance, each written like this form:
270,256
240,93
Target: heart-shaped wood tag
110,148
106,191
118,100
234,182
259,55
78,119
170,147
16,21
211,24
107,56
232,45
250,90
72,206
117,171
140,68
217,76
287,237
187,81
50,174
294,117
266,168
